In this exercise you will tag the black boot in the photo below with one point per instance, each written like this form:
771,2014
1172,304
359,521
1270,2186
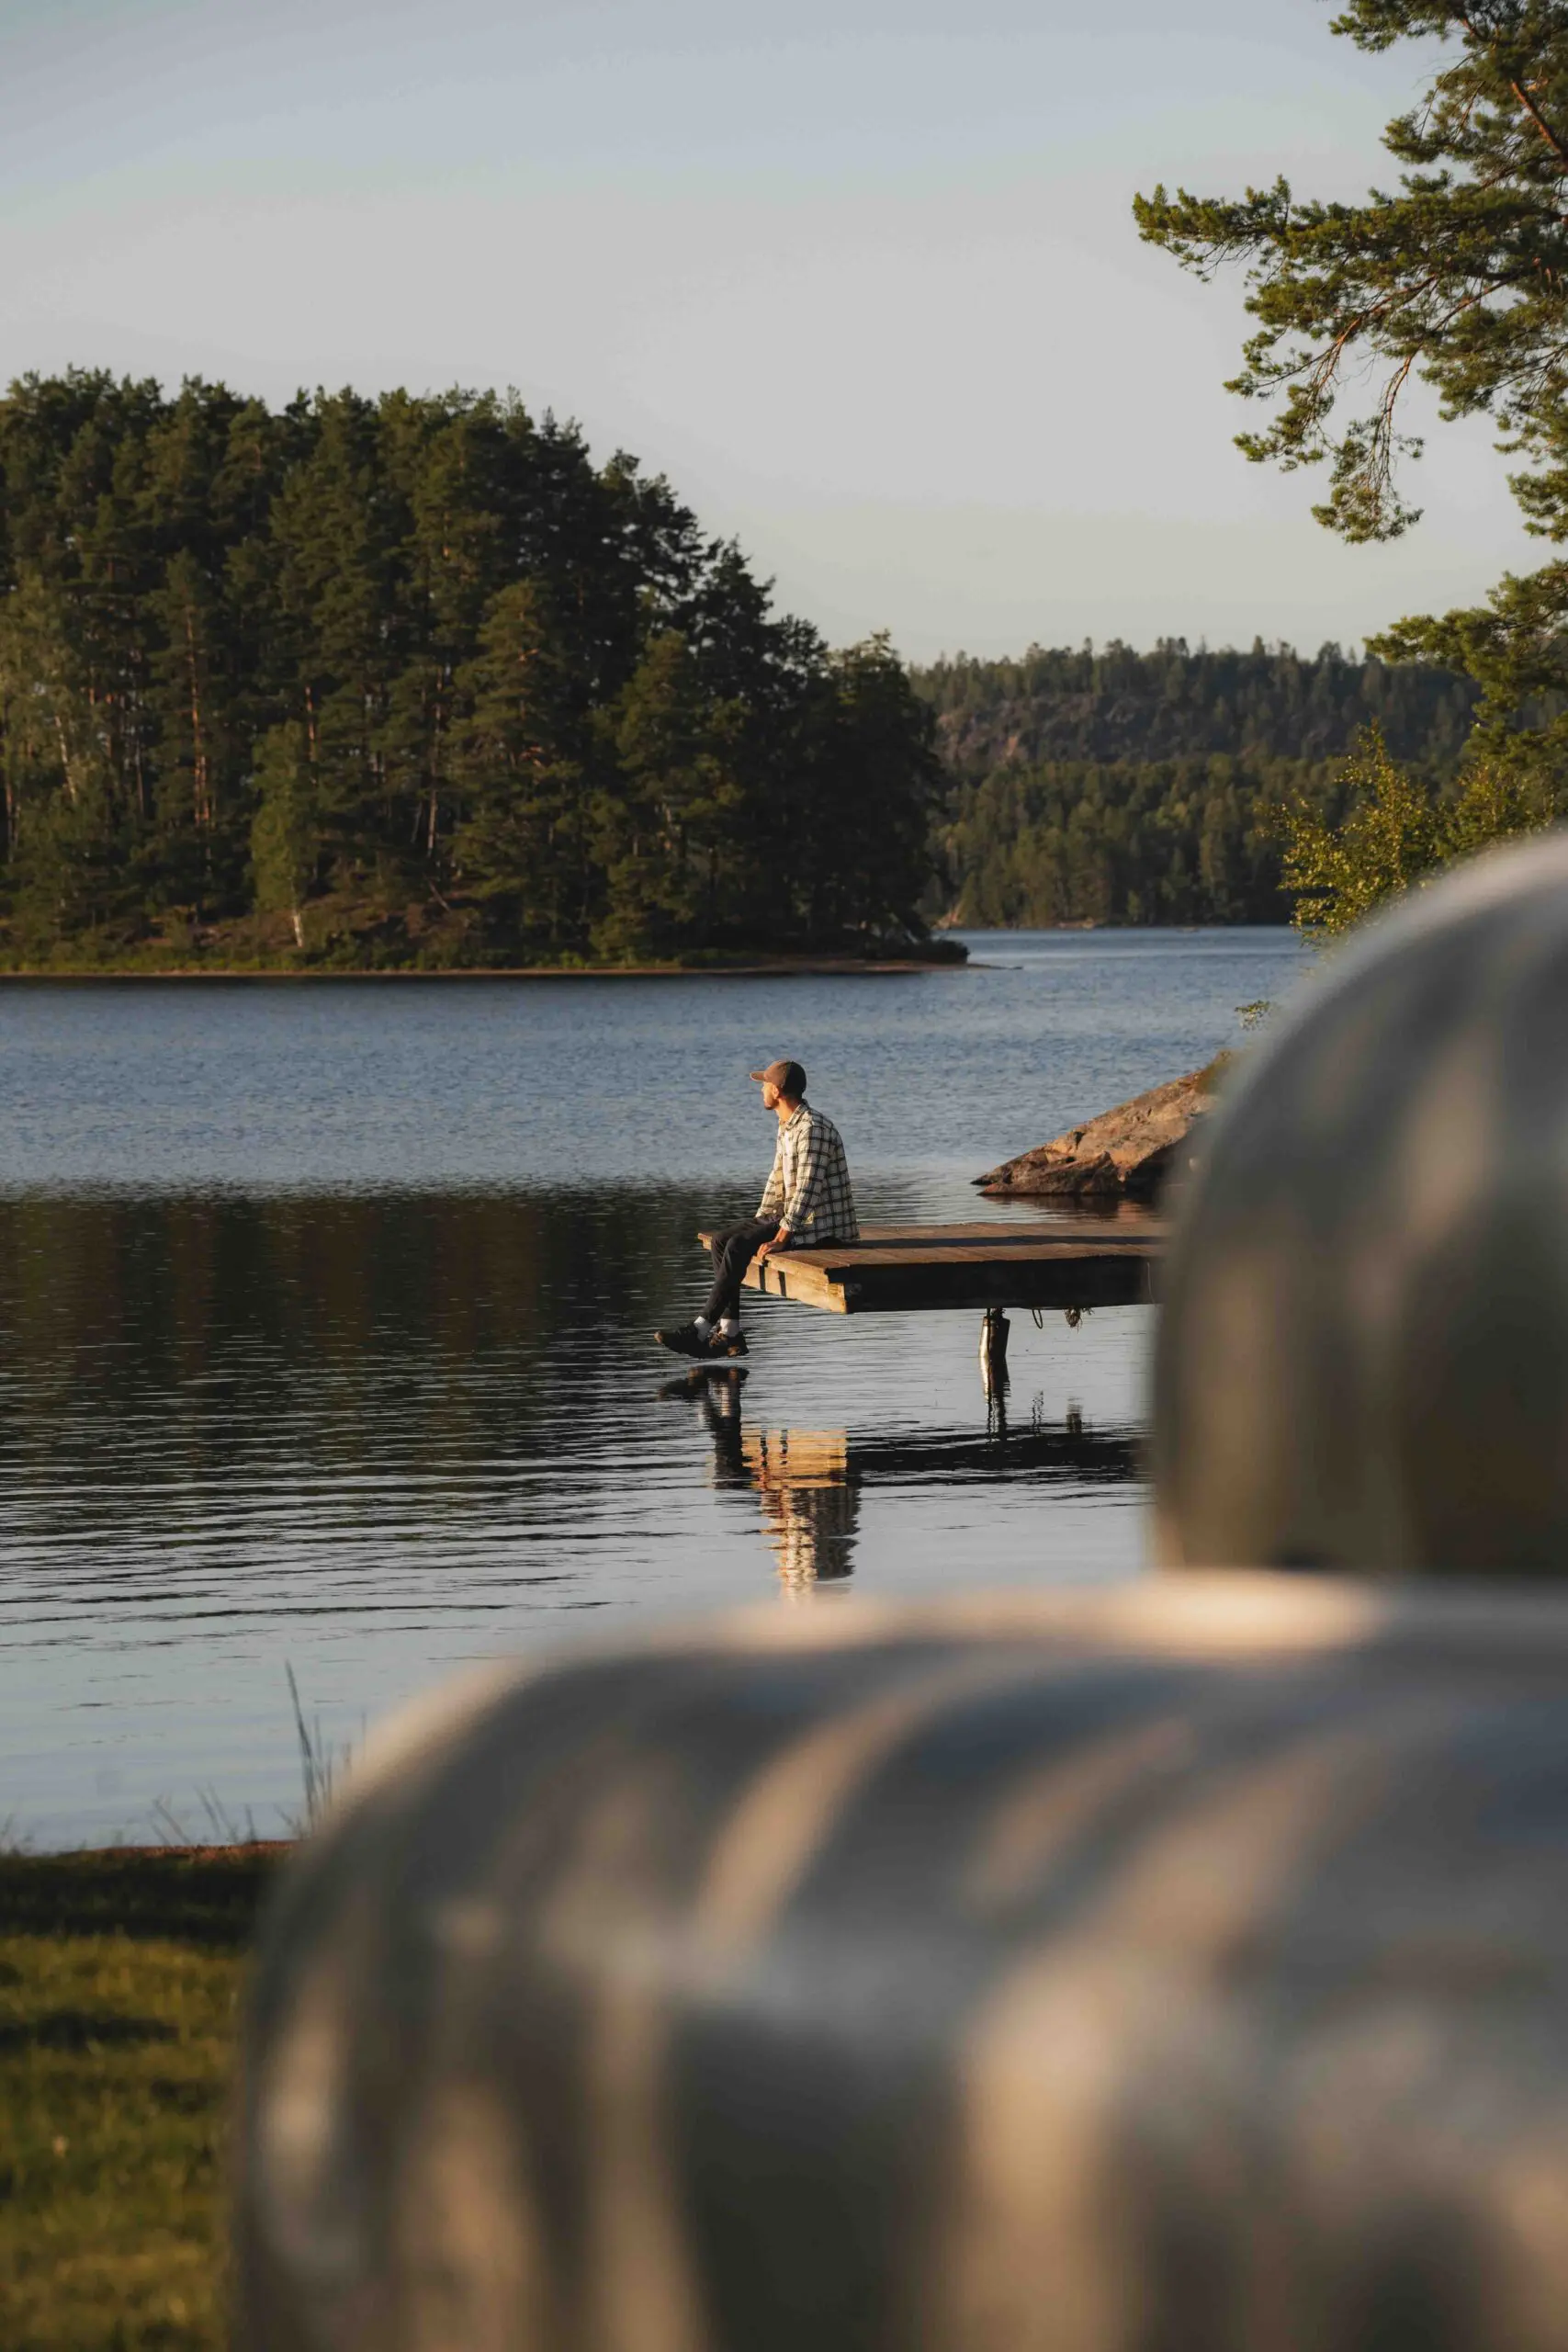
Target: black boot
686,1342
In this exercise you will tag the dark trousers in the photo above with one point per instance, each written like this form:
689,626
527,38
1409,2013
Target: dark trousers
732,1253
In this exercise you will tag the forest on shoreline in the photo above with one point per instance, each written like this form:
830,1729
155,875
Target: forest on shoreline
1113,786
411,682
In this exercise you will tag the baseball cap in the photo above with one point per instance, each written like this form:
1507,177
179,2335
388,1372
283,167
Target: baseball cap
788,1077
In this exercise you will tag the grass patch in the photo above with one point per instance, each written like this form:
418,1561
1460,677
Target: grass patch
119,1983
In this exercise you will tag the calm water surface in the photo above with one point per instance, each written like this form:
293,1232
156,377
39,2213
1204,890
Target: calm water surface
324,1316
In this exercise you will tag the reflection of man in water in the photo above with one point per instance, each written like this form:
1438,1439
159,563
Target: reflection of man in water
807,1200
810,1495
809,1508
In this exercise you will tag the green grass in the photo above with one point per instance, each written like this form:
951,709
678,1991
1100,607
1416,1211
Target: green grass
119,1981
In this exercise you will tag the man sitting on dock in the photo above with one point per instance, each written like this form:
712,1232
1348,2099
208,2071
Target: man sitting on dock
807,1201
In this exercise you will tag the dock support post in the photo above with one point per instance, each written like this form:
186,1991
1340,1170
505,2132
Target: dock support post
994,1351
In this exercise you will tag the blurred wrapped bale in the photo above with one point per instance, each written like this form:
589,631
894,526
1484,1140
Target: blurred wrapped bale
1362,1361
1184,1967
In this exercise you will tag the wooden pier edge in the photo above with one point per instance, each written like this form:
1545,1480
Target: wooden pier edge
908,1270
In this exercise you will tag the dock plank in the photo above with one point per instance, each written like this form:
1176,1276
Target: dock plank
910,1270
1057,1228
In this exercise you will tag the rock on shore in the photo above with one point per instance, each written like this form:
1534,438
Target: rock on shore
1127,1151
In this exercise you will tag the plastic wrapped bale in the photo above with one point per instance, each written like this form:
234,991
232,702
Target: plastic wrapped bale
1362,1361
1182,1969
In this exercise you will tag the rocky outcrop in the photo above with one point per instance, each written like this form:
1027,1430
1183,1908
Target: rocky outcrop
1126,1151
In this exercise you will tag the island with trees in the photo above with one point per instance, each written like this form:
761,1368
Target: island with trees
413,682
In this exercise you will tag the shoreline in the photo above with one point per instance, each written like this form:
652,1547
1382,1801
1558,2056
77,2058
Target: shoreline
813,968
236,1850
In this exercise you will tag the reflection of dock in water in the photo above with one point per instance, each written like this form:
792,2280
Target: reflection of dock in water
808,1481
810,1510
1065,1449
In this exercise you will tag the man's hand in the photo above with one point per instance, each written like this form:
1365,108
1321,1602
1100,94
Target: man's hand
765,1249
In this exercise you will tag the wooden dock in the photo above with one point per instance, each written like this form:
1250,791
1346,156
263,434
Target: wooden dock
914,1269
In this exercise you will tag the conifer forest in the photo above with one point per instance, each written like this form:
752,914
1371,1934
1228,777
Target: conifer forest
412,682
1114,787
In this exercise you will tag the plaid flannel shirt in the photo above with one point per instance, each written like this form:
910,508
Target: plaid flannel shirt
808,1189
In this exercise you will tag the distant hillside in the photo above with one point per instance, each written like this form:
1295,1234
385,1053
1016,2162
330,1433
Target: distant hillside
1125,788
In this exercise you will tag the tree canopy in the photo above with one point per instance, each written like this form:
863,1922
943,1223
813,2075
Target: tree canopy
1112,786
1458,273
412,680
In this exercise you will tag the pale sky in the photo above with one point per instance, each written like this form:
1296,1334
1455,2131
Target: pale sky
861,278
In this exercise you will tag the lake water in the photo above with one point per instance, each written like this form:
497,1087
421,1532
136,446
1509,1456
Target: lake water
325,1336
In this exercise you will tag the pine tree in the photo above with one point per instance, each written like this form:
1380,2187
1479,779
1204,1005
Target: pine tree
672,835
523,764
870,787
1458,275
286,836
334,527
198,739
